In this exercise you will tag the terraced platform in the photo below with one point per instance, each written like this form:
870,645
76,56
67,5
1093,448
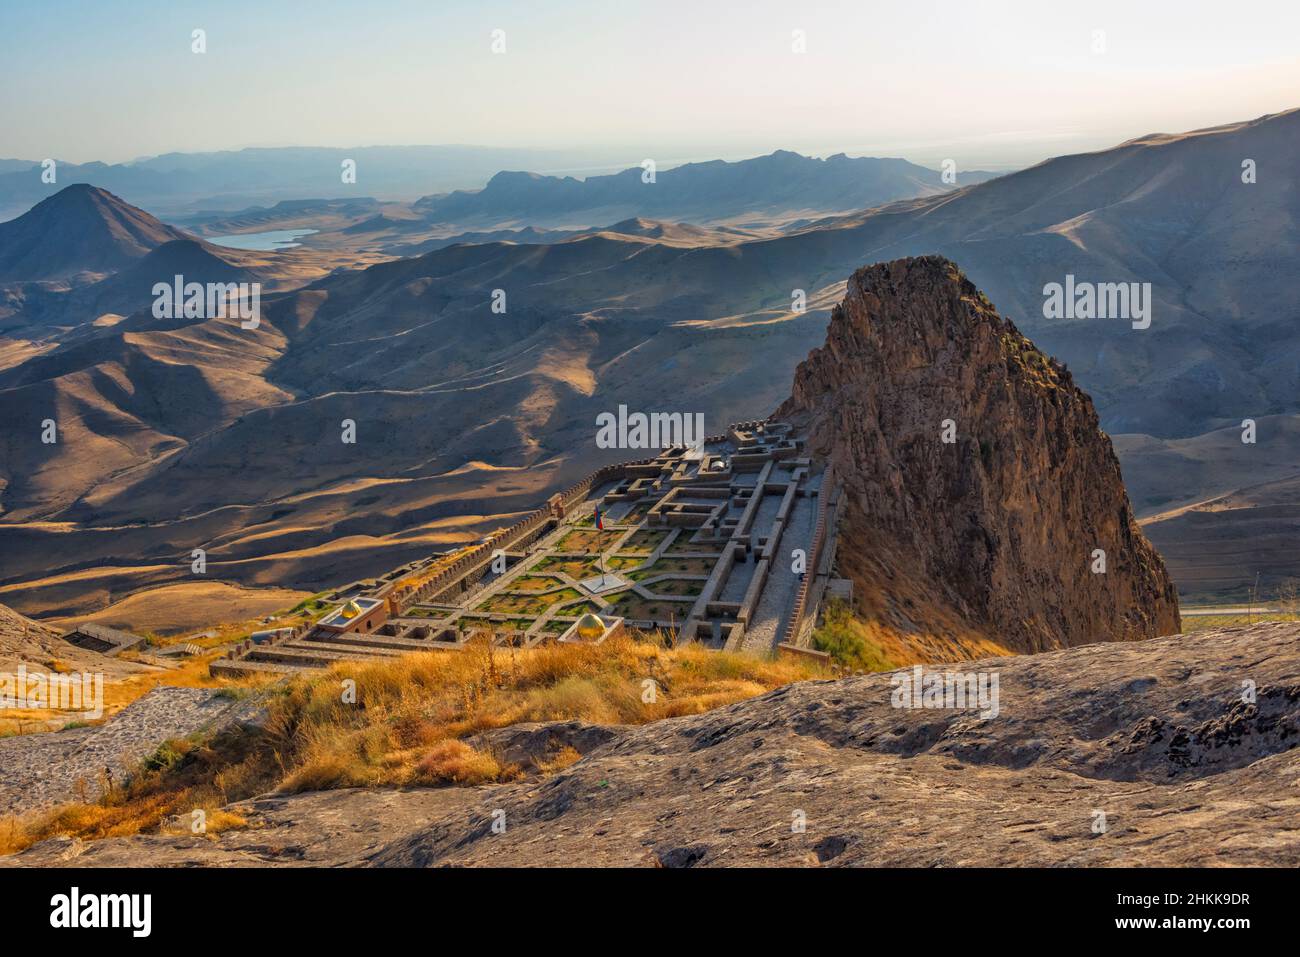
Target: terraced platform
714,544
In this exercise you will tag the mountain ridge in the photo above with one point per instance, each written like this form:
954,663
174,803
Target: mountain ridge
781,181
599,320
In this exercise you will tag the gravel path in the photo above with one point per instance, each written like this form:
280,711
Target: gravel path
42,769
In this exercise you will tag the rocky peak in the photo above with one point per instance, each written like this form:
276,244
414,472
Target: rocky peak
993,535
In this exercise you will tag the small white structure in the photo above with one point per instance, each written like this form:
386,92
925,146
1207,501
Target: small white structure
605,581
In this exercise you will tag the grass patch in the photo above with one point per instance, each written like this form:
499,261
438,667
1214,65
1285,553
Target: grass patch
644,541
587,541
848,641
409,726
527,604
312,606
683,566
677,587
628,604
535,583
682,544
577,568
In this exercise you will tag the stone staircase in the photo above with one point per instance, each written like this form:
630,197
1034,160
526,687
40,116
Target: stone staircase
314,650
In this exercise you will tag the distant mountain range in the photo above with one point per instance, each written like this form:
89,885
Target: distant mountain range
176,182
181,184
179,434
780,183
774,192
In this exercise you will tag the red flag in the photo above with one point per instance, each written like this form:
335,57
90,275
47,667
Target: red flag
600,522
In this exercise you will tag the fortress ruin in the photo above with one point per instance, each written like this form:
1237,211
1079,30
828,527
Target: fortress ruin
729,544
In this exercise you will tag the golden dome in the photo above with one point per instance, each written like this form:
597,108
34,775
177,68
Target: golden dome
590,627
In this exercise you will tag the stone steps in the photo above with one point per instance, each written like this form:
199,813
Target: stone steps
299,655
242,667
388,642
364,651
320,658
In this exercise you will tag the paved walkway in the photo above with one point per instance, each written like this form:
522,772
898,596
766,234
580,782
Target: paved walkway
766,627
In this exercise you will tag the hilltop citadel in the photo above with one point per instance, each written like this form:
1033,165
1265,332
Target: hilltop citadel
729,543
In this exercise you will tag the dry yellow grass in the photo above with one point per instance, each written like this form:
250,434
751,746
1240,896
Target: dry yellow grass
180,778
414,705
405,722
861,642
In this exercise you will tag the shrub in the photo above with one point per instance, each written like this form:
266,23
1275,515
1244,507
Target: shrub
847,641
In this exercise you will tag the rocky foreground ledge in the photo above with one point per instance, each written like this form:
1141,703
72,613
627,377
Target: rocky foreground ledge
1143,753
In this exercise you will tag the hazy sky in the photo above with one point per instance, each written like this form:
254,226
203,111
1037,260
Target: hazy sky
991,84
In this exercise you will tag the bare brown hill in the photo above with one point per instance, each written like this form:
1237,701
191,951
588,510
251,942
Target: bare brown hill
81,228
1224,513
979,486
84,311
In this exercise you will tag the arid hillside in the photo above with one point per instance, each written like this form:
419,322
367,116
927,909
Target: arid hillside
1223,508
39,649
79,229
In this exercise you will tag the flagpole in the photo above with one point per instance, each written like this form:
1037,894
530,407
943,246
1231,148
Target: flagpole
600,546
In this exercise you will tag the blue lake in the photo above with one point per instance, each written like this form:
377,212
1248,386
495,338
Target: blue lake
263,242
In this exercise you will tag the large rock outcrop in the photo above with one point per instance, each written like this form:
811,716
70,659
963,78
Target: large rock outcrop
997,532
